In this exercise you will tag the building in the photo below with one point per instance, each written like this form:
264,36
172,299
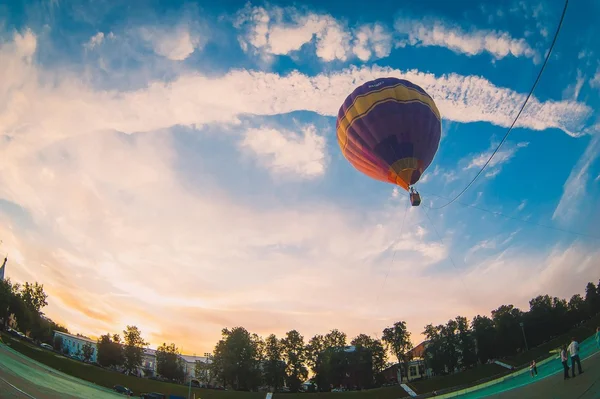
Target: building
189,364
416,367
72,345
2,269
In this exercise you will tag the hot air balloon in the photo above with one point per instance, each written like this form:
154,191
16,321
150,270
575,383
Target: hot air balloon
390,129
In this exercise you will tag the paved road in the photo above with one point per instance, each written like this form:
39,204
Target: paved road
24,378
549,382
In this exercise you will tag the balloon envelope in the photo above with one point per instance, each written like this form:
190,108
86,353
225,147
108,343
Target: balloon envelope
389,129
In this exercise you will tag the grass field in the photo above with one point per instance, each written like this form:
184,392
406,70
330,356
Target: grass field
471,377
107,378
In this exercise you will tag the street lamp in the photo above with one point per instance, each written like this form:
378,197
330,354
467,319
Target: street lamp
524,337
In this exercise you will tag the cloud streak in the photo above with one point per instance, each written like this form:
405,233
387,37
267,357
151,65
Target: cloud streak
429,32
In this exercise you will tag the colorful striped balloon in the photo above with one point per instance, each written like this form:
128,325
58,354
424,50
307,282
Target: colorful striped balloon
389,129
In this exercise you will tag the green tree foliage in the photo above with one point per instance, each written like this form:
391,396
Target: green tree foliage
87,352
378,354
484,332
169,364
506,319
397,340
466,343
294,354
58,343
203,372
316,345
274,366
6,294
133,351
335,339
110,351
34,297
592,298
236,359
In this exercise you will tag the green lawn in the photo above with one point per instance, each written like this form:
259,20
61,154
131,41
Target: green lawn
138,385
107,378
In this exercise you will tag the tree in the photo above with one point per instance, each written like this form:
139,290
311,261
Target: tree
506,319
34,296
484,332
235,359
133,351
434,352
169,364
58,343
466,343
449,345
316,345
274,366
87,352
335,339
397,340
203,372
592,298
378,353
6,295
294,356
110,351
577,309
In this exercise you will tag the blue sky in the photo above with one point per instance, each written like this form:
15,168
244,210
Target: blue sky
174,164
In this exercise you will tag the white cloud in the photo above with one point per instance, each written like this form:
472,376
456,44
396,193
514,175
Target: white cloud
372,39
267,31
95,40
296,155
574,189
429,32
522,205
505,154
175,43
193,99
572,90
595,81
268,267
282,31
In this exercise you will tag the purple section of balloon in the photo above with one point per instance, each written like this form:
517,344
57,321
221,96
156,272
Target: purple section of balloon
392,130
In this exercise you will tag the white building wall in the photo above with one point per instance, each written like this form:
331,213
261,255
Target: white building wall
74,345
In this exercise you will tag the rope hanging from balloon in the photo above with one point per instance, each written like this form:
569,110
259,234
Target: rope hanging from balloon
558,28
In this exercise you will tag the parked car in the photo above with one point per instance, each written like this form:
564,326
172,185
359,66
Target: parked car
123,390
46,346
153,395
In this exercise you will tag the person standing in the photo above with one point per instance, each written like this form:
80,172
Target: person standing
565,360
532,368
574,352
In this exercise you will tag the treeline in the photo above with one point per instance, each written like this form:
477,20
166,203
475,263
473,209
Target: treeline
458,345
21,306
246,361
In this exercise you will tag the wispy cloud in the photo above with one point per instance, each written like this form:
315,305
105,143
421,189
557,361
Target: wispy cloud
572,91
505,154
98,39
574,189
522,205
595,81
431,32
284,152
